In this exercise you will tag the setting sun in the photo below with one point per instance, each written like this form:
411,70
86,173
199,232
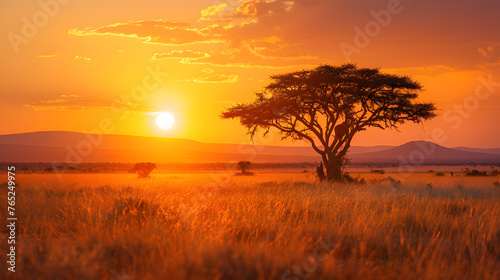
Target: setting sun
165,120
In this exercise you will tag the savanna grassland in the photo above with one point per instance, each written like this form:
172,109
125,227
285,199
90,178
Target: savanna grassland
268,226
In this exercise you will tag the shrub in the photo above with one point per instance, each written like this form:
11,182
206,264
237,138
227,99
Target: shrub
475,172
393,182
244,166
379,171
440,174
143,169
354,180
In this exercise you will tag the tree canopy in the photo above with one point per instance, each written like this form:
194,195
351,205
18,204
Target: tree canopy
328,105
143,169
244,166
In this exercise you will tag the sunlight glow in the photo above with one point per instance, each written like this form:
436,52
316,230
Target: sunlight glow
165,120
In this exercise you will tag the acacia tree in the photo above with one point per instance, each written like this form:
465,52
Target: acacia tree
244,166
144,168
328,105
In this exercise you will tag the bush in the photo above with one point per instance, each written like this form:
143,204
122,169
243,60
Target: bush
475,172
353,180
143,169
393,182
244,166
440,174
379,171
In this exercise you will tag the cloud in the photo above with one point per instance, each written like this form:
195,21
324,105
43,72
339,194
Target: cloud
318,27
151,31
74,102
262,47
234,10
82,58
428,70
483,52
227,103
68,102
208,70
252,55
46,55
189,55
212,11
255,35
303,33
489,56
214,79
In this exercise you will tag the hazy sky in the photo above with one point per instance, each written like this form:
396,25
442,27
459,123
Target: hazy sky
69,65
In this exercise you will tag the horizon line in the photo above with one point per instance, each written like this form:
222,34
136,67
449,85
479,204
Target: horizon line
187,139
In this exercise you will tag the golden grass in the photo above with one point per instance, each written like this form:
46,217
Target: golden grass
269,226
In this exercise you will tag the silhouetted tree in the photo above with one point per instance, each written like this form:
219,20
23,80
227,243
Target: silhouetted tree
49,169
244,166
328,105
143,169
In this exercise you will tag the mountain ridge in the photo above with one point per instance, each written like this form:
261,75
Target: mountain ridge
60,145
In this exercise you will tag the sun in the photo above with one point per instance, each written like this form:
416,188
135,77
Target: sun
165,120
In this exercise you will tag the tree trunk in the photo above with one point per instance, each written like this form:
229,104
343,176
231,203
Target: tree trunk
334,169
321,173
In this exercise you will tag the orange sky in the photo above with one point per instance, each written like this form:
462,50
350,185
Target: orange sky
70,65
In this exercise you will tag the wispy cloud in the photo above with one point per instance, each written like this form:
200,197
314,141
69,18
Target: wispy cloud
150,31
214,79
72,102
234,10
184,55
46,55
256,56
77,57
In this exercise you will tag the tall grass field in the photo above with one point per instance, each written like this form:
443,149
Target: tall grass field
267,226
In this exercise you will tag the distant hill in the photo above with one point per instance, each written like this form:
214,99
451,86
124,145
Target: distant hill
423,152
479,150
59,146
127,142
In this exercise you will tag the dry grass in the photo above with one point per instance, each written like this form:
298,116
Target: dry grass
270,226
